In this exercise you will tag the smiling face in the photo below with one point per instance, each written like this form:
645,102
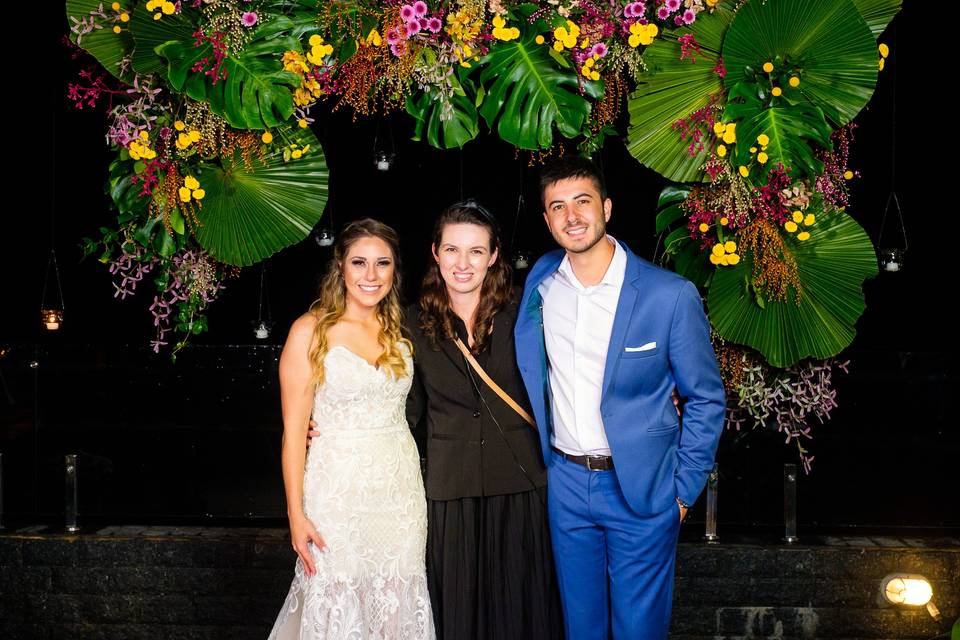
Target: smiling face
368,271
576,214
464,255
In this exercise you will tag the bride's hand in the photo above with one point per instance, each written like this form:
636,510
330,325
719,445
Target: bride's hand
302,533
314,432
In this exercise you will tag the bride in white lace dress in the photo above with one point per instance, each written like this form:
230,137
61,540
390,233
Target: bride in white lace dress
356,502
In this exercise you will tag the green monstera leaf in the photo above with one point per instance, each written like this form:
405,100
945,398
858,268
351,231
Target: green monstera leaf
256,93
680,251
790,128
673,89
832,266
107,47
248,215
150,34
527,95
825,43
454,132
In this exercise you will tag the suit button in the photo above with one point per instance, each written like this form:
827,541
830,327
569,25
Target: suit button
476,414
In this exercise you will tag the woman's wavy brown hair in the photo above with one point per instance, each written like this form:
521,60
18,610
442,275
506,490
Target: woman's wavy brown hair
332,303
436,317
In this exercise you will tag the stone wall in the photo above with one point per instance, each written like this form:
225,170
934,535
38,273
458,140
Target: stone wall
131,583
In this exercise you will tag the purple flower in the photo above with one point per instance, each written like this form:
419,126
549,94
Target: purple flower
407,12
599,49
689,16
249,18
434,24
165,132
420,8
393,36
423,23
663,13
678,20
413,27
634,10
399,49
673,5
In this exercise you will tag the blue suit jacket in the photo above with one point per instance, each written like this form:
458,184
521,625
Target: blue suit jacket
655,460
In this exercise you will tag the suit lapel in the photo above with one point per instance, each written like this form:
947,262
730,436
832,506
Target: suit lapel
629,294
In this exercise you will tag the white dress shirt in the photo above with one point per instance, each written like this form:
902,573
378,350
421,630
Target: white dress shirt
577,322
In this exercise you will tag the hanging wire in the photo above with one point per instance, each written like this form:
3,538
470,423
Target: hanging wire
263,294
52,260
893,159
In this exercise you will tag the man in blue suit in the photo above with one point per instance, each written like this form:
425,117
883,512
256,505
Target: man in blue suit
604,342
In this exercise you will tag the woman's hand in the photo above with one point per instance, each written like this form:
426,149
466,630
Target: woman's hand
302,533
312,433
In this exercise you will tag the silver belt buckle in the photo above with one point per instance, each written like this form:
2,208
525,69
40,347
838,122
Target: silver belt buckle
589,458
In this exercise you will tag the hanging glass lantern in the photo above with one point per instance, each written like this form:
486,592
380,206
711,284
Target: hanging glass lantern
51,313
890,256
325,238
521,260
51,318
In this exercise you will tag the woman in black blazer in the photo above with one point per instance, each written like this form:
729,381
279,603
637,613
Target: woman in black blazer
489,562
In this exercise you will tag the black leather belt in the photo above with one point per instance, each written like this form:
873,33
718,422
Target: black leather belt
593,463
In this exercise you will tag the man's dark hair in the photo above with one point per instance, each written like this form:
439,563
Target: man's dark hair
567,167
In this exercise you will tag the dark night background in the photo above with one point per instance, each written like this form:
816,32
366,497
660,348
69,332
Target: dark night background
200,439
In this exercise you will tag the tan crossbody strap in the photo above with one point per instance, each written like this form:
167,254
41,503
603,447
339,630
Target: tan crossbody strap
493,385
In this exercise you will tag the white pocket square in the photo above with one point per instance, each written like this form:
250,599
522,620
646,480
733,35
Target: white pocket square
646,347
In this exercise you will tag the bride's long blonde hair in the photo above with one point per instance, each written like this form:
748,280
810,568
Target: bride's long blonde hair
332,303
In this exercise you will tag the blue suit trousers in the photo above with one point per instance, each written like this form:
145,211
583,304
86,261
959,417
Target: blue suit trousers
615,568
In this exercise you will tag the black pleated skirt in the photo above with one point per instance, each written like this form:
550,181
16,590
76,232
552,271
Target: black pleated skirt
490,568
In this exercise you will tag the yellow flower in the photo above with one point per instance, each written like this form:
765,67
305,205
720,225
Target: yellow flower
183,141
296,154
768,66
753,149
559,33
848,175
594,75
730,135
169,8
315,40
117,29
721,150
718,250
884,50
540,40
794,81
714,259
798,216
198,194
184,194
762,158
733,259
306,148
115,6
763,139
704,227
194,136
153,4
809,220
157,16
790,226
718,128
730,246
712,3
589,63
803,235
882,61
267,137
144,136
124,17
499,22
302,123
585,43
724,220
642,34
191,183
634,41
374,38
744,171
557,45
179,125
724,260
776,91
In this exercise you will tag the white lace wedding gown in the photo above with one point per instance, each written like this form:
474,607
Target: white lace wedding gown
364,493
